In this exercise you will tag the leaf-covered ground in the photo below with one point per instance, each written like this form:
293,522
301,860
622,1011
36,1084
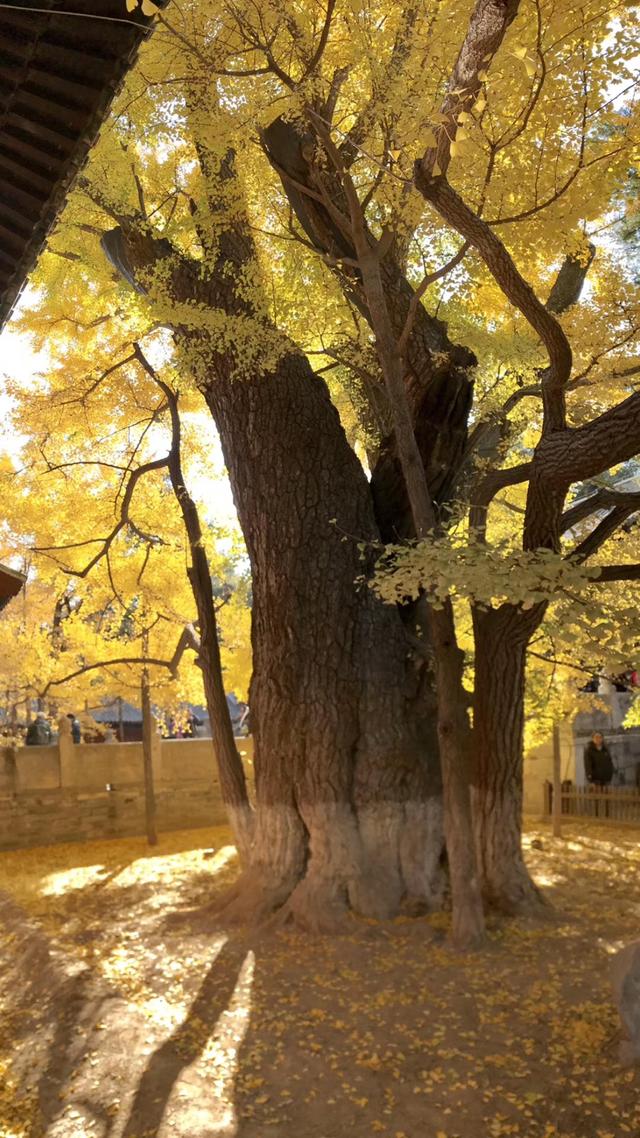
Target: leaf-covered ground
127,1012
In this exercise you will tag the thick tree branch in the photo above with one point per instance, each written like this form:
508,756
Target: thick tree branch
630,572
457,213
584,452
600,500
491,485
565,292
600,533
575,455
188,639
488,25
567,287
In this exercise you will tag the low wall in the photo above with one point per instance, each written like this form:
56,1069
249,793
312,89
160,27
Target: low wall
67,792
538,769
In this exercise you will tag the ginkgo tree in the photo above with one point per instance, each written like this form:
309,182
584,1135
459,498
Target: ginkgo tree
386,195
105,528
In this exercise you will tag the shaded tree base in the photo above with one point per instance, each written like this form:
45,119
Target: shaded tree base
514,895
321,869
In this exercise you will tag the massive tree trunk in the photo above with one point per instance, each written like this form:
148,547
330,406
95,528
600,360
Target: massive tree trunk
501,639
348,811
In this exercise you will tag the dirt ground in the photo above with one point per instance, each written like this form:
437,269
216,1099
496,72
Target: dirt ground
127,1013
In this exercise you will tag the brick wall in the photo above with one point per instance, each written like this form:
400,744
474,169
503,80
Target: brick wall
68,792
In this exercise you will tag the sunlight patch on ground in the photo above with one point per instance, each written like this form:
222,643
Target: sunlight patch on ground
66,880
148,869
548,878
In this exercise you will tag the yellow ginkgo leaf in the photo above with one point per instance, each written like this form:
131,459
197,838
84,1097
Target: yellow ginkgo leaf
149,8
131,5
519,51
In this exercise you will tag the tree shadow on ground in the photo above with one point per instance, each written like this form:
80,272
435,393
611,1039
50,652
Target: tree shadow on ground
75,1010
184,1045
45,996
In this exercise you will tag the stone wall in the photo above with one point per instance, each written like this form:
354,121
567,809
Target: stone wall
538,768
68,792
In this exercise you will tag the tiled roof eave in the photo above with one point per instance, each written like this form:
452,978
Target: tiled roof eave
59,74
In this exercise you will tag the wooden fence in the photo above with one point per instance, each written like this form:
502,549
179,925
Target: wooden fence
607,804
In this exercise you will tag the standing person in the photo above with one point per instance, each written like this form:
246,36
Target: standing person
76,730
598,767
39,732
598,764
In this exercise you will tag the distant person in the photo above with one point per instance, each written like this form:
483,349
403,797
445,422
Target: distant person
39,732
598,764
244,724
76,730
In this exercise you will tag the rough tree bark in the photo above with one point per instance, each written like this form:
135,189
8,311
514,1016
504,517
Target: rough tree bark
501,639
348,813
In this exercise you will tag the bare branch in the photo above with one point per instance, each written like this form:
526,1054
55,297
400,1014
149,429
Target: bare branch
425,283
107,542
96,383
400,52
557,193
322,42
105,664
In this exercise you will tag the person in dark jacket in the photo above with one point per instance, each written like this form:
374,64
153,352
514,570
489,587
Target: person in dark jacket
598,764
76,730
38,732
